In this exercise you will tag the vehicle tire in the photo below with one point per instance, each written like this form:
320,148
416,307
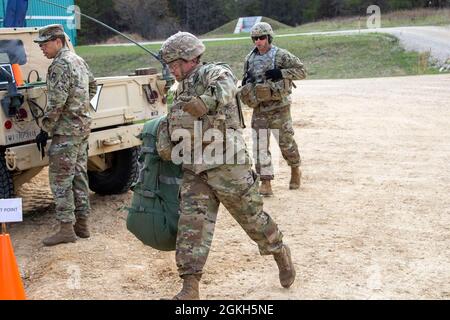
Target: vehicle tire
120,176
6,182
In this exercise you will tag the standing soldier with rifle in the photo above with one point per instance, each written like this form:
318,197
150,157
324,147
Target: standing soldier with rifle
267,85
206,95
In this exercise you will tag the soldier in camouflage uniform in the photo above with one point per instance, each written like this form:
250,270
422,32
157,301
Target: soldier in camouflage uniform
206,94
70,86
267,85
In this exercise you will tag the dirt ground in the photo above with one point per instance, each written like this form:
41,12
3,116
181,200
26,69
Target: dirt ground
371,220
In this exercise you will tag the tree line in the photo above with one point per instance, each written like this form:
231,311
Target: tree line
156,19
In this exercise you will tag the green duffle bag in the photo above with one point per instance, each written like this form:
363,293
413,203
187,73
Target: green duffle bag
154,212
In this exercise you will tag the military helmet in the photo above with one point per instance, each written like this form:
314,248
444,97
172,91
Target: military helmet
261,29
182,45
50,32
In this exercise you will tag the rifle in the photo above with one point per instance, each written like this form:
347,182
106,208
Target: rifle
248,76
241,115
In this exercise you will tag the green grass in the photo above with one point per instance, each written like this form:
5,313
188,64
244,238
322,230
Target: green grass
325,57
117,60
418,17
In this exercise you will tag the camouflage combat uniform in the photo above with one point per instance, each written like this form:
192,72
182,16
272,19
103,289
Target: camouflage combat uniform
205,186
70,86
274,114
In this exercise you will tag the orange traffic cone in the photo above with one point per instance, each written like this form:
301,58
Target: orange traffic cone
17,74
11,287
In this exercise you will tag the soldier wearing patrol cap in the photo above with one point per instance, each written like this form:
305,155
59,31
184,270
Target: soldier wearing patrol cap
206,94
268,79
70,86
50,32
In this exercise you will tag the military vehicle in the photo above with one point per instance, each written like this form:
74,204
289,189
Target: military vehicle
119,110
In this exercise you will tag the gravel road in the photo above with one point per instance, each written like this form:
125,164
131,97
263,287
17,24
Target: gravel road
371,220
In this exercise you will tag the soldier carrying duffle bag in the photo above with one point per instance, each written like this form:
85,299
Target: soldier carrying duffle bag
154,212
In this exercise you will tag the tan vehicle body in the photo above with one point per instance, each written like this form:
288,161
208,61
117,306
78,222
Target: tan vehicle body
119,111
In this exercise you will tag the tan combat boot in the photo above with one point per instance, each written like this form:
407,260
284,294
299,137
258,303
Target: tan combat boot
190,288
65,234
265,189
81,227
296,175
285,266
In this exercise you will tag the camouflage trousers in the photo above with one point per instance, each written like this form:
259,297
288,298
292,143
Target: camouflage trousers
281,120
68,176
236,187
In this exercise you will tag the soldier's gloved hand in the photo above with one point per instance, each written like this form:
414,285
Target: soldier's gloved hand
196,107
41,142
274,74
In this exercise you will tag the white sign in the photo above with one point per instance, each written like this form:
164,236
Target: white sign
94,101
11,210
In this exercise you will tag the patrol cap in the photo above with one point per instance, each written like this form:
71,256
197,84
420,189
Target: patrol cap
50,32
